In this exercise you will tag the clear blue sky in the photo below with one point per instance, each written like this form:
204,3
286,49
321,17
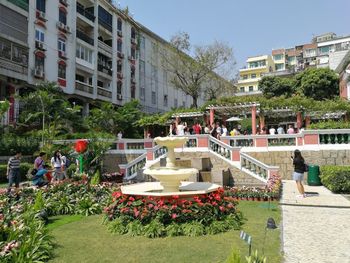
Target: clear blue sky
251,27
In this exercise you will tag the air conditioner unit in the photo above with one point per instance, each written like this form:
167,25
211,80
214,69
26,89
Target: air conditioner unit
41,15
39,45
119,62
119,33
60,25
133,80
133,41
120,75
119,96
67,28
39,73
120,55
131,58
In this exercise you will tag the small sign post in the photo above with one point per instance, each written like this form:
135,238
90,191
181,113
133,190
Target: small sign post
247,238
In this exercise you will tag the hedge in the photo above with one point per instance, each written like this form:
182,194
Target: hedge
23,171
336,178
10,144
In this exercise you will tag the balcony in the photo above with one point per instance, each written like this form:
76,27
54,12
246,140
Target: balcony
13,60
85,37
20,3
84,87
105,47
85,13
104,92
105,69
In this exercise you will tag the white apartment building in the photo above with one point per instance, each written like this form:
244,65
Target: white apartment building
93,50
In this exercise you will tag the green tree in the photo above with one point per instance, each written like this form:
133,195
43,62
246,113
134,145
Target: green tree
4,106
47,109
318,83
190,73
111,119
277,86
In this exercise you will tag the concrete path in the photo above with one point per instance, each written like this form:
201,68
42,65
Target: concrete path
315,229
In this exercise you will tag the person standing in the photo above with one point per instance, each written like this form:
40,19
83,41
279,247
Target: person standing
56,163
197,128
39,161
224,130
120,135
180,128
12,173
298,174
272,131
280,130
290,130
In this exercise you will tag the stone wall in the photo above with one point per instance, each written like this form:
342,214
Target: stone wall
111,161
283,160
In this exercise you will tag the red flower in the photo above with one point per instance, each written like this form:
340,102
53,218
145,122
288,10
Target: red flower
222,209
117,194
131,198
173,216
175,197
150,206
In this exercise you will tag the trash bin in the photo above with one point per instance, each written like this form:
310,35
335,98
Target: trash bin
313,176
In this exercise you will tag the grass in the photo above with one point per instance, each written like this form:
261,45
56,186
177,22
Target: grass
89,241
57,221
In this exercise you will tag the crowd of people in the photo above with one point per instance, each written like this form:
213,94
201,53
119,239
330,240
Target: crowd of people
42,173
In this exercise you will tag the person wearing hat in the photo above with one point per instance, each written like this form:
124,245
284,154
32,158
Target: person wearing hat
298,174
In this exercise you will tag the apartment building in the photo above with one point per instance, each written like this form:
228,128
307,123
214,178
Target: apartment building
91,49
250,75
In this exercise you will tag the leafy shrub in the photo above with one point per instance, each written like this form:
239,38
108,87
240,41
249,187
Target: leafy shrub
10,143
23,170
336,178
193,229
256,258
329,124
71,170
96,179
87,207
134,228
216,227
173,230
39,201
117,226
154,229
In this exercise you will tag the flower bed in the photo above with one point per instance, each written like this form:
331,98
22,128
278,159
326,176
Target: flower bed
272,191
23,236
157,217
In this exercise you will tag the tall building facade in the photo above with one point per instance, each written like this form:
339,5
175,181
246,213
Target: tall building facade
250,75
91,49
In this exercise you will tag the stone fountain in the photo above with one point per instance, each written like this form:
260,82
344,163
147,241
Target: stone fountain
171,178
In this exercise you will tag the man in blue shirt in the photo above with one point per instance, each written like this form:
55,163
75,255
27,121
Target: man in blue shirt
38,179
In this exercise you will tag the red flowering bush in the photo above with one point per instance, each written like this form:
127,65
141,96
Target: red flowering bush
204,209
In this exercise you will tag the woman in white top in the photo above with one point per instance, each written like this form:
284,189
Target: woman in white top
180,128
57,164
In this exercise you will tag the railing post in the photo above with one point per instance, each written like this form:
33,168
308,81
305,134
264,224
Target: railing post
121,145
150,155
261,141
235,155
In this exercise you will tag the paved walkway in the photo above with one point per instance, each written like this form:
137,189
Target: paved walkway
315,229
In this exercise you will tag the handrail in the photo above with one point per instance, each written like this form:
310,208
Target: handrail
134,166
265,166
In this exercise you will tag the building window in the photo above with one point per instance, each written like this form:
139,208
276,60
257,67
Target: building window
245,76
153,97
39,35
119,87
175,103
119,66
133,53
241,89
279,67
84,53
119,46
165,101
291,59
61,45
62,17
39,62
251,88
253,76
133,91
278,57
183,104
62,71
256,64
119,24
105,18
133,33
40,5
324,50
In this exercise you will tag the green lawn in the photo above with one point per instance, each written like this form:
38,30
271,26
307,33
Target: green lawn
87,240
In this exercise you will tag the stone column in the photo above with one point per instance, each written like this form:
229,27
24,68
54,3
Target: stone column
299,120
261,121
211,117
254,120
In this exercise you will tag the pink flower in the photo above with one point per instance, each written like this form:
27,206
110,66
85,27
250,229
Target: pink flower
173,216
222,209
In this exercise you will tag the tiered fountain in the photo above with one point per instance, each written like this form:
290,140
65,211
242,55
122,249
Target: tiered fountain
171,178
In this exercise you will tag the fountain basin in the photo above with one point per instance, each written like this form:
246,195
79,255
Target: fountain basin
186,189
170,178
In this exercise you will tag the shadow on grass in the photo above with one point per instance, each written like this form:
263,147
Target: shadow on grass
57,221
